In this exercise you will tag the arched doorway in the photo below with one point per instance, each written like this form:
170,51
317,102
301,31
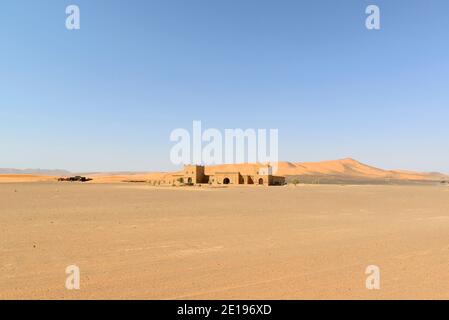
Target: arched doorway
226,181
189,181
260,181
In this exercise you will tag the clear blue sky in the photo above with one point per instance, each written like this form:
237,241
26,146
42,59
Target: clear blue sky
106,97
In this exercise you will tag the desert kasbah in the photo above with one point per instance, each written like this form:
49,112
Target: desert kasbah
196,174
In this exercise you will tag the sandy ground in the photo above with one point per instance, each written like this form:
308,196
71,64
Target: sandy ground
137,241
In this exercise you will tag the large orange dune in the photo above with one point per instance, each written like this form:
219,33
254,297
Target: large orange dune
352,168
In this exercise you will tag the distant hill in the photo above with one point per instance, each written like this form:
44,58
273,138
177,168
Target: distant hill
43,172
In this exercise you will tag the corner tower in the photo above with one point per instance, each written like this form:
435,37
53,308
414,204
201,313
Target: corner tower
194,174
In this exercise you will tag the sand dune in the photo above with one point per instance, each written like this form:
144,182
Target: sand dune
352,168
25,178
112,178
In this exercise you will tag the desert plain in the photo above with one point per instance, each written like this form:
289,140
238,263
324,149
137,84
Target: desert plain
136,241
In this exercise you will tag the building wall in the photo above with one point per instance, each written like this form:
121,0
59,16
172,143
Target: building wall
277,181
261,180
196,174
248,180
220,178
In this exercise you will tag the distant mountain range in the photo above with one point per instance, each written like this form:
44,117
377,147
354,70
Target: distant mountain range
44,172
